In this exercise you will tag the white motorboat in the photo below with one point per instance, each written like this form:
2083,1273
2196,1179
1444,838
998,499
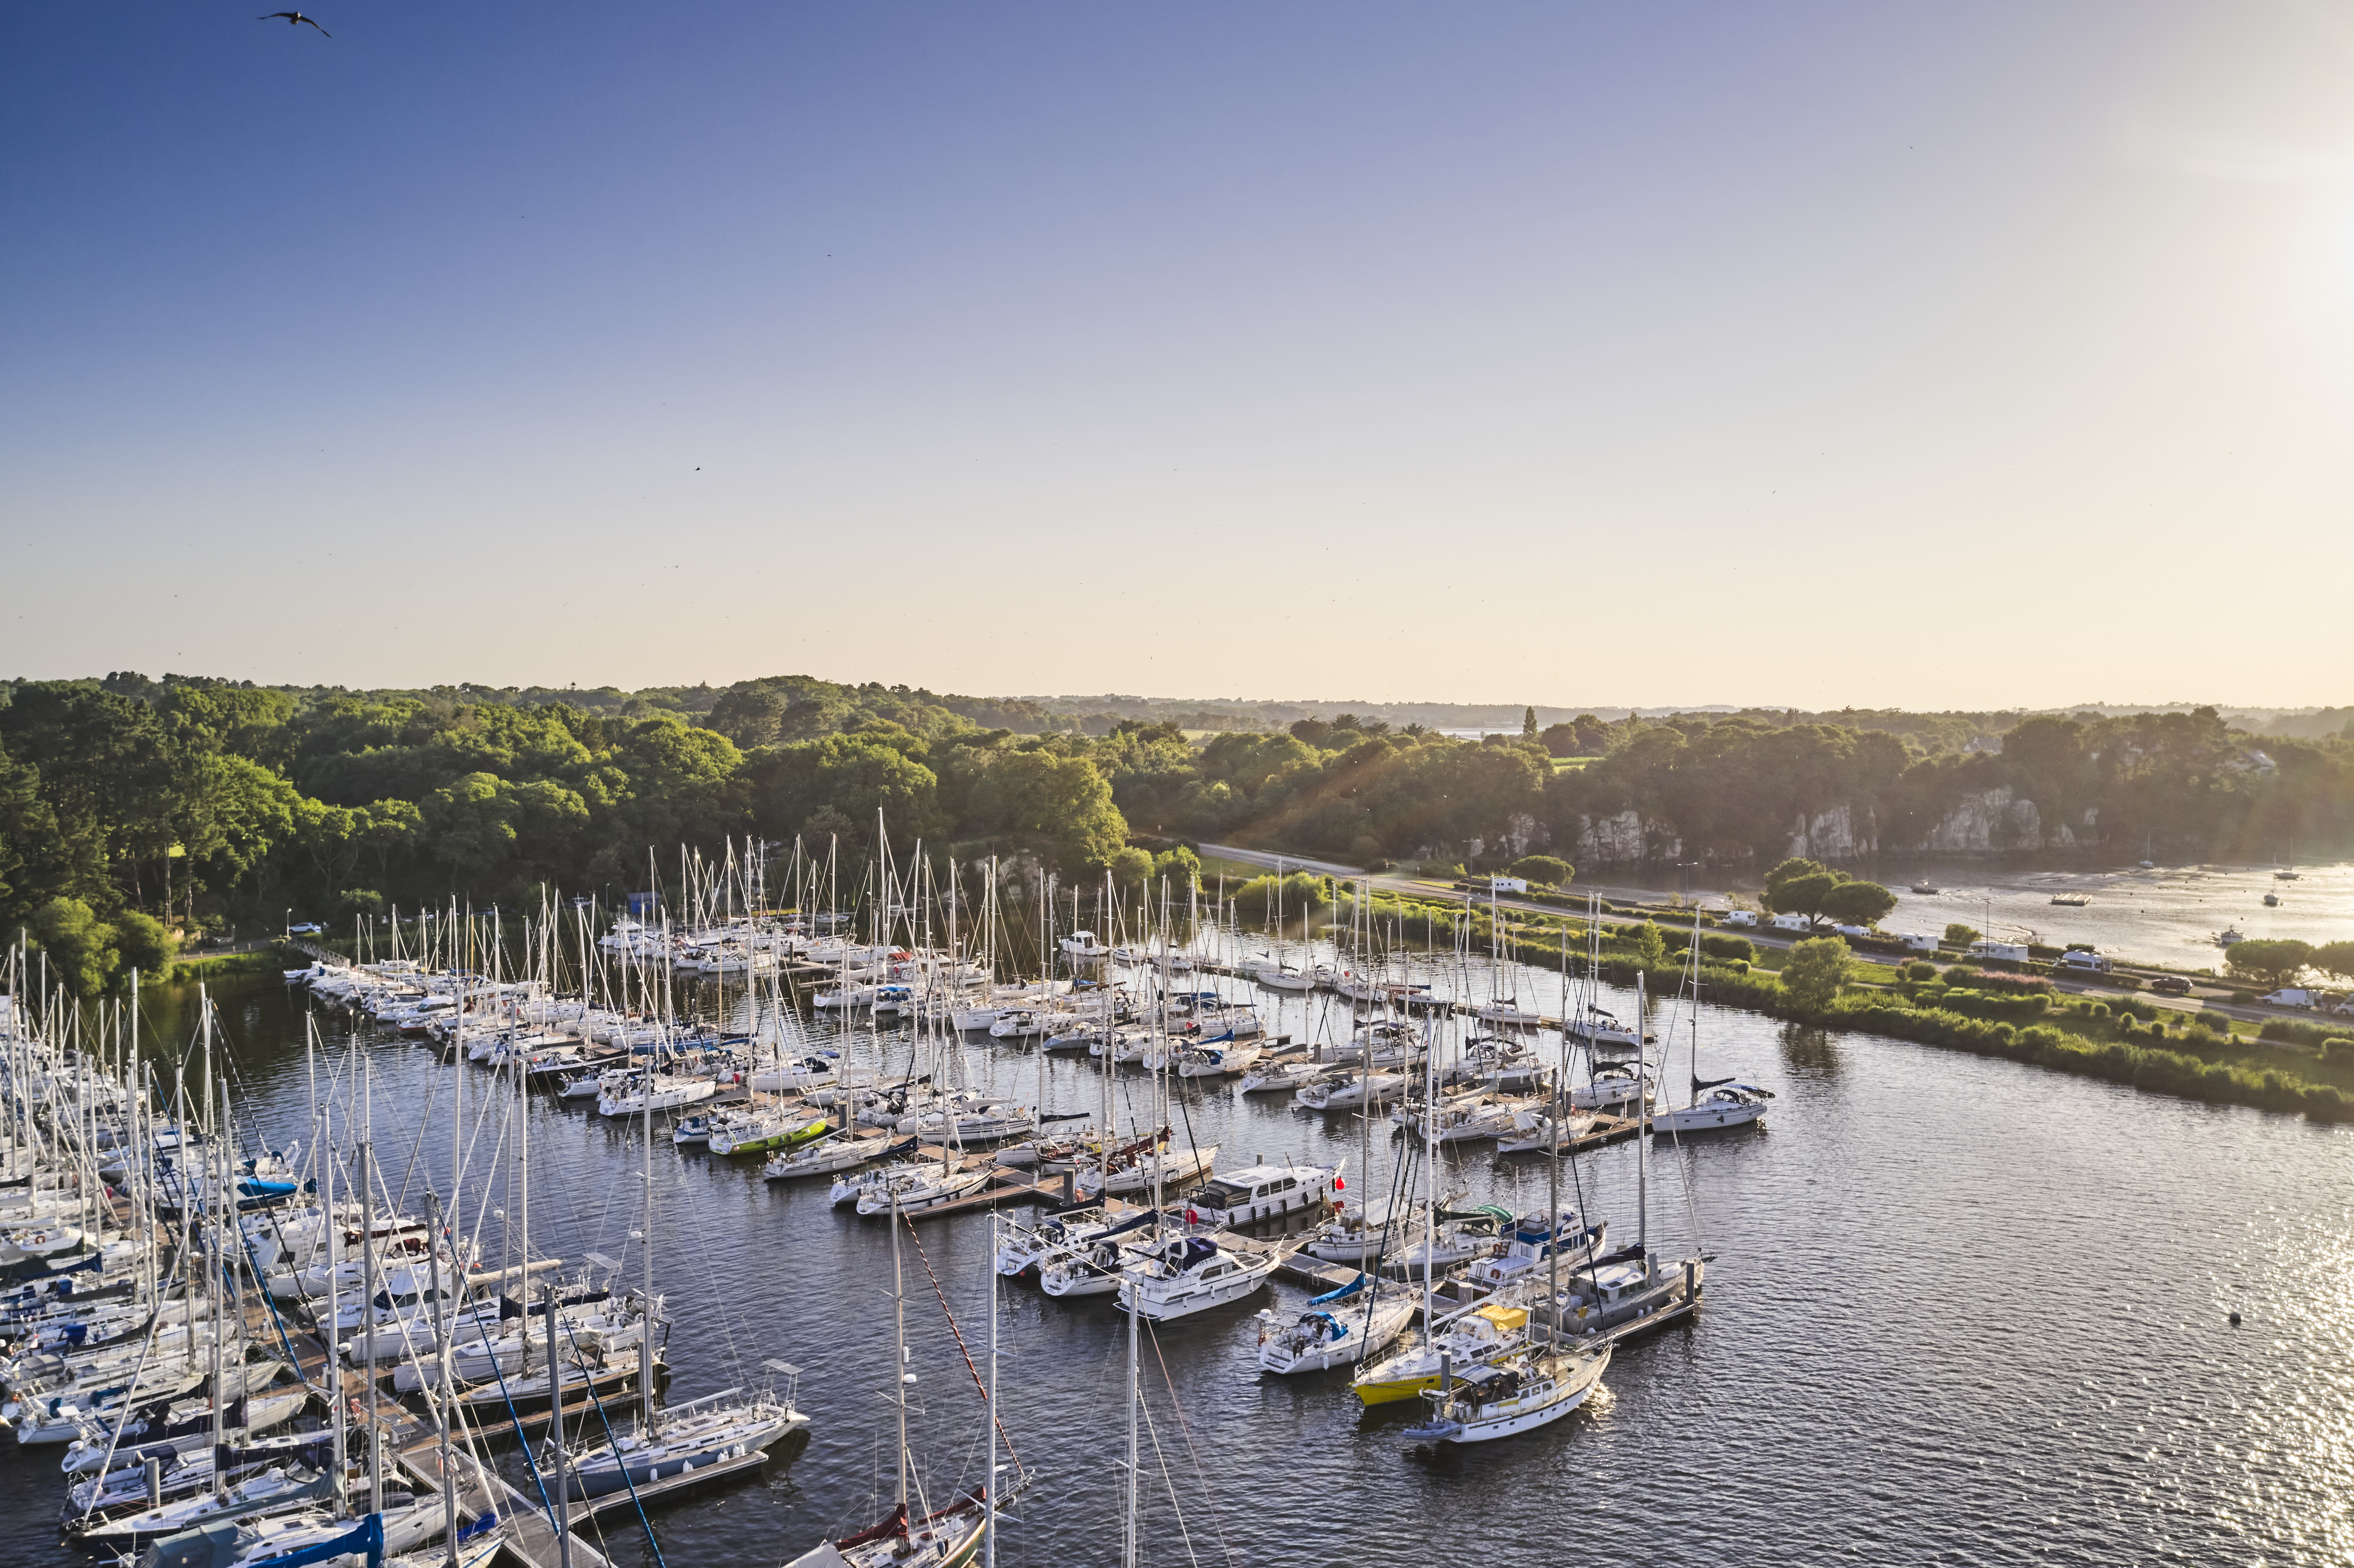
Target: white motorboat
1183,1274
1260,1192
1084,945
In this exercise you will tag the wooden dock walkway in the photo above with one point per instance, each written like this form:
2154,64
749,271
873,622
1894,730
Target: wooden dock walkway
411,1444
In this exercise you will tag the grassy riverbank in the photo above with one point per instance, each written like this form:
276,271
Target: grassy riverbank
2127,1041
270,959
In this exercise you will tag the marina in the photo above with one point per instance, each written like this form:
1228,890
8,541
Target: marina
1610,1311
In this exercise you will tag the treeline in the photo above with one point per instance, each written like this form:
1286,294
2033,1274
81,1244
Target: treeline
205,801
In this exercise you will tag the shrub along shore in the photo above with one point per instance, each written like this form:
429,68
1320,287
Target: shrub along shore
2130,1040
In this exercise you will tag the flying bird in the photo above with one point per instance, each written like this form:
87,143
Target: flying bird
294,19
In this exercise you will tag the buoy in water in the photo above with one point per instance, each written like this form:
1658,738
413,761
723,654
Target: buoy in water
2235,1319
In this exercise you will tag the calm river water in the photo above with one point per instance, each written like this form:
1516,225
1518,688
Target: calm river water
1962,1312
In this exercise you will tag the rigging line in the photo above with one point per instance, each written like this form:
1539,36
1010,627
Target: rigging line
1168,1480
909,1221
1187,1428
424,1119
620,1460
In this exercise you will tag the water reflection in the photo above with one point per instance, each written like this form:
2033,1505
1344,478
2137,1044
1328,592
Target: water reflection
1962,1309
1809,1052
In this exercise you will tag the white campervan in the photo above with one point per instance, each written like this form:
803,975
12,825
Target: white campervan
2007,952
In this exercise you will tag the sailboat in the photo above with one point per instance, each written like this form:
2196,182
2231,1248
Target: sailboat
1340,1327
1729,1102
946,1537
687,1438
1513,1394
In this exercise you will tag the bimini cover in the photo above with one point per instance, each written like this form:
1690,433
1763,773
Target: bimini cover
1195,1252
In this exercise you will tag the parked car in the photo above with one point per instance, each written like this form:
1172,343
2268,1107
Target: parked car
2170,985
307,928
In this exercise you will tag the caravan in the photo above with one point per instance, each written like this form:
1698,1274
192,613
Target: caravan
2001,952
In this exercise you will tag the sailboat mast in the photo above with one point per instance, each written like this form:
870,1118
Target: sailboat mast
331,1379
216,1286
646,1314
444,1395
1129,1555
1642,1129
1430,1171
989,1493
368,1268
899,1338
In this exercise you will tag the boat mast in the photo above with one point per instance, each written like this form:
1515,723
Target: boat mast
330,1379
899,1336
1642,1132
1135,1294
444,1396
557,1450
989,1491
368,1269
216,1286
646,1307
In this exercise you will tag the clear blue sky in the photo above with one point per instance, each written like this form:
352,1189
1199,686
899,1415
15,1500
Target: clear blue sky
1886,354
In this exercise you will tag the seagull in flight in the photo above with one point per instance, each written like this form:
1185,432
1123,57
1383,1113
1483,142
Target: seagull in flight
294,19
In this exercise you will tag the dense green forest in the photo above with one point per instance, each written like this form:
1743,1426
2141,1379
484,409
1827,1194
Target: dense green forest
202,802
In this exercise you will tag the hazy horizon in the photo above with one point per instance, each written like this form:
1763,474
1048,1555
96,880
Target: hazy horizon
1823,354
1543,704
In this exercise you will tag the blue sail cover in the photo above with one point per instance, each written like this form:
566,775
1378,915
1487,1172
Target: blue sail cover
1342,1294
